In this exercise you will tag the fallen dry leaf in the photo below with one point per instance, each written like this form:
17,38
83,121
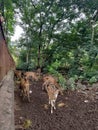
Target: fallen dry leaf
45,106
61,104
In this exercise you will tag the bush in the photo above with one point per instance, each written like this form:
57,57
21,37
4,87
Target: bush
71,83
93,80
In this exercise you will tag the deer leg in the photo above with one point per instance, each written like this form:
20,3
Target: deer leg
54,104
52,107
28,96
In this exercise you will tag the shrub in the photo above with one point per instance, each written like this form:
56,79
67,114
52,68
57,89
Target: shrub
93,80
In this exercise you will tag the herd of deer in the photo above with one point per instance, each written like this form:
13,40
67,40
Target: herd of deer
50,85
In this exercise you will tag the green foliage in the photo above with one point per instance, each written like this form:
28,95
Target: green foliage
59,34
93,80
53,66
22,66
71,83
62,81
7,10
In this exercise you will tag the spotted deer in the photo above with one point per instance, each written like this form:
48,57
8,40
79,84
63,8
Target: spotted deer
31,75
24,86
52,92
51,80
17,74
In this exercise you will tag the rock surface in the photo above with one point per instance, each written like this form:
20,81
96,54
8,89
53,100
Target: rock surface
7,102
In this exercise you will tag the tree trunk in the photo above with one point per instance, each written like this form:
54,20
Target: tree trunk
27,58
92,37
39,56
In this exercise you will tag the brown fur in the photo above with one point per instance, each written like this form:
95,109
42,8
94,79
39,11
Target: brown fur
51,80
31,75
52,92
17,74
24,85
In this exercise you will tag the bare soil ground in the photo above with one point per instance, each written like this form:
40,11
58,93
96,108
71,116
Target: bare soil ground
76,110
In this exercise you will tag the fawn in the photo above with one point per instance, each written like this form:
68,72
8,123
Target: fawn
31,75
51,80
52,92
24,86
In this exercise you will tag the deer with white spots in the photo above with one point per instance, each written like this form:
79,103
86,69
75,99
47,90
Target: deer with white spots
52,92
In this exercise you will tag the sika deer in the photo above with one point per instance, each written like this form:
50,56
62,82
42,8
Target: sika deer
17,74
52,92
51,80
31,75
24,86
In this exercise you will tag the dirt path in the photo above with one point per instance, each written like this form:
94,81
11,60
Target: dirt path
78,112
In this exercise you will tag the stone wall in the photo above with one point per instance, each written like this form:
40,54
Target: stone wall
7,102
